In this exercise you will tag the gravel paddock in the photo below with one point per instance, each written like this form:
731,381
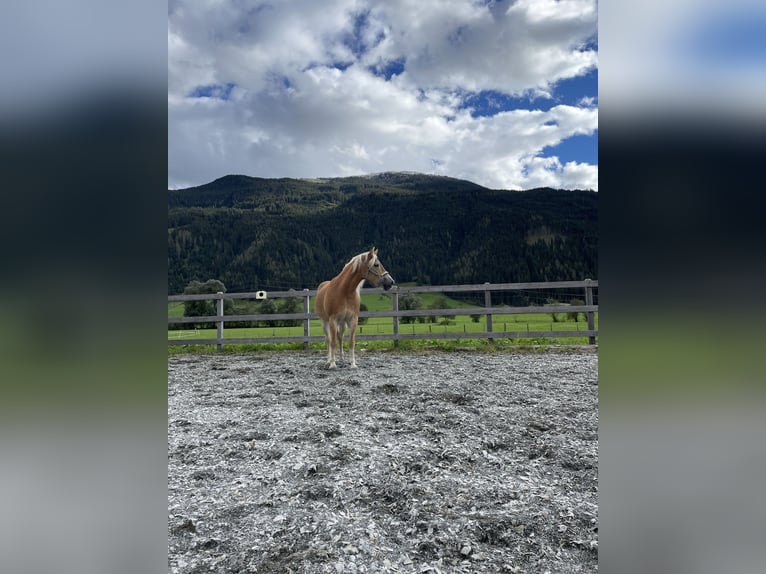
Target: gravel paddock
415,462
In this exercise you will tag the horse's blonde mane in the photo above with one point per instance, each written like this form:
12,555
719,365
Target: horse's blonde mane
356,261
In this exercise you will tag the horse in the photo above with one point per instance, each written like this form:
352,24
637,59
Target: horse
337,301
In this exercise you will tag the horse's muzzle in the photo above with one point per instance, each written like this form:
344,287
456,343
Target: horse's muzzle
388,282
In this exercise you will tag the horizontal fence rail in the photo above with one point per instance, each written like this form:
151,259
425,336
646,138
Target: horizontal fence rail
219,319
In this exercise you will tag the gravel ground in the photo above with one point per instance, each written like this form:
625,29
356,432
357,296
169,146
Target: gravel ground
430,462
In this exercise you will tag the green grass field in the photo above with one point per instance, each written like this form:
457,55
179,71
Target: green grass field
384,325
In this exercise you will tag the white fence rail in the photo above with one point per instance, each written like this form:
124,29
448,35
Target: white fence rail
587,287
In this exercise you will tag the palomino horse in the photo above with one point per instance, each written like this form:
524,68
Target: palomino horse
337,301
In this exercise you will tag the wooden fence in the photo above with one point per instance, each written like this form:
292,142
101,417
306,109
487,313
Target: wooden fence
587,287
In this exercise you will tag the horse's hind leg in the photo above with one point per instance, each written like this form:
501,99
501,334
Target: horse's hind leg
329,333
352,343
341,330
335,328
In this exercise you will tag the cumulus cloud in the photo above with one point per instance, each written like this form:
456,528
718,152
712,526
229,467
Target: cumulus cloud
350,86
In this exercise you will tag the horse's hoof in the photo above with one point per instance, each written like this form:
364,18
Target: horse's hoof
332,366
353,366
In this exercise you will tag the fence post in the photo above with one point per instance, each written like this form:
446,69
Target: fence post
307,323
591,318
219,313
488,304
396,317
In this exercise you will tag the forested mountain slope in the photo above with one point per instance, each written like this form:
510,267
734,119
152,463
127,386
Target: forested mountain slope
254,233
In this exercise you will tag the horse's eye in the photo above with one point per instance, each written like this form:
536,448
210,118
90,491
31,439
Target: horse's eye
376,264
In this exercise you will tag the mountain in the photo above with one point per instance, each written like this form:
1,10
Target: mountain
297,195
255,233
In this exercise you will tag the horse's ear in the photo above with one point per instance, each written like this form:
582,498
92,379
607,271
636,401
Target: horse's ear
373,252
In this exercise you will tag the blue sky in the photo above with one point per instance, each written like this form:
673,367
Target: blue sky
502,93
579,148
218,91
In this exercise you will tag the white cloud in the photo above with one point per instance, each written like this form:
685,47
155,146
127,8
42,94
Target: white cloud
548,172
465,45
293,113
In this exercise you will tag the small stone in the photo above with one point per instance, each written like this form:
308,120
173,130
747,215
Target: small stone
185,525
465,550
255,435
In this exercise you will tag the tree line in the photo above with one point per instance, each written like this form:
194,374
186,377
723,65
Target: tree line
207,308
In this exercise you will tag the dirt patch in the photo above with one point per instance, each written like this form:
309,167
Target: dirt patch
443,462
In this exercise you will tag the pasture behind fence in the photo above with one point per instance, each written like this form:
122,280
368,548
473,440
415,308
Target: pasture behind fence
586,287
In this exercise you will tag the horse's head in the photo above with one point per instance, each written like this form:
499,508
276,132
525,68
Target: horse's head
376,274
